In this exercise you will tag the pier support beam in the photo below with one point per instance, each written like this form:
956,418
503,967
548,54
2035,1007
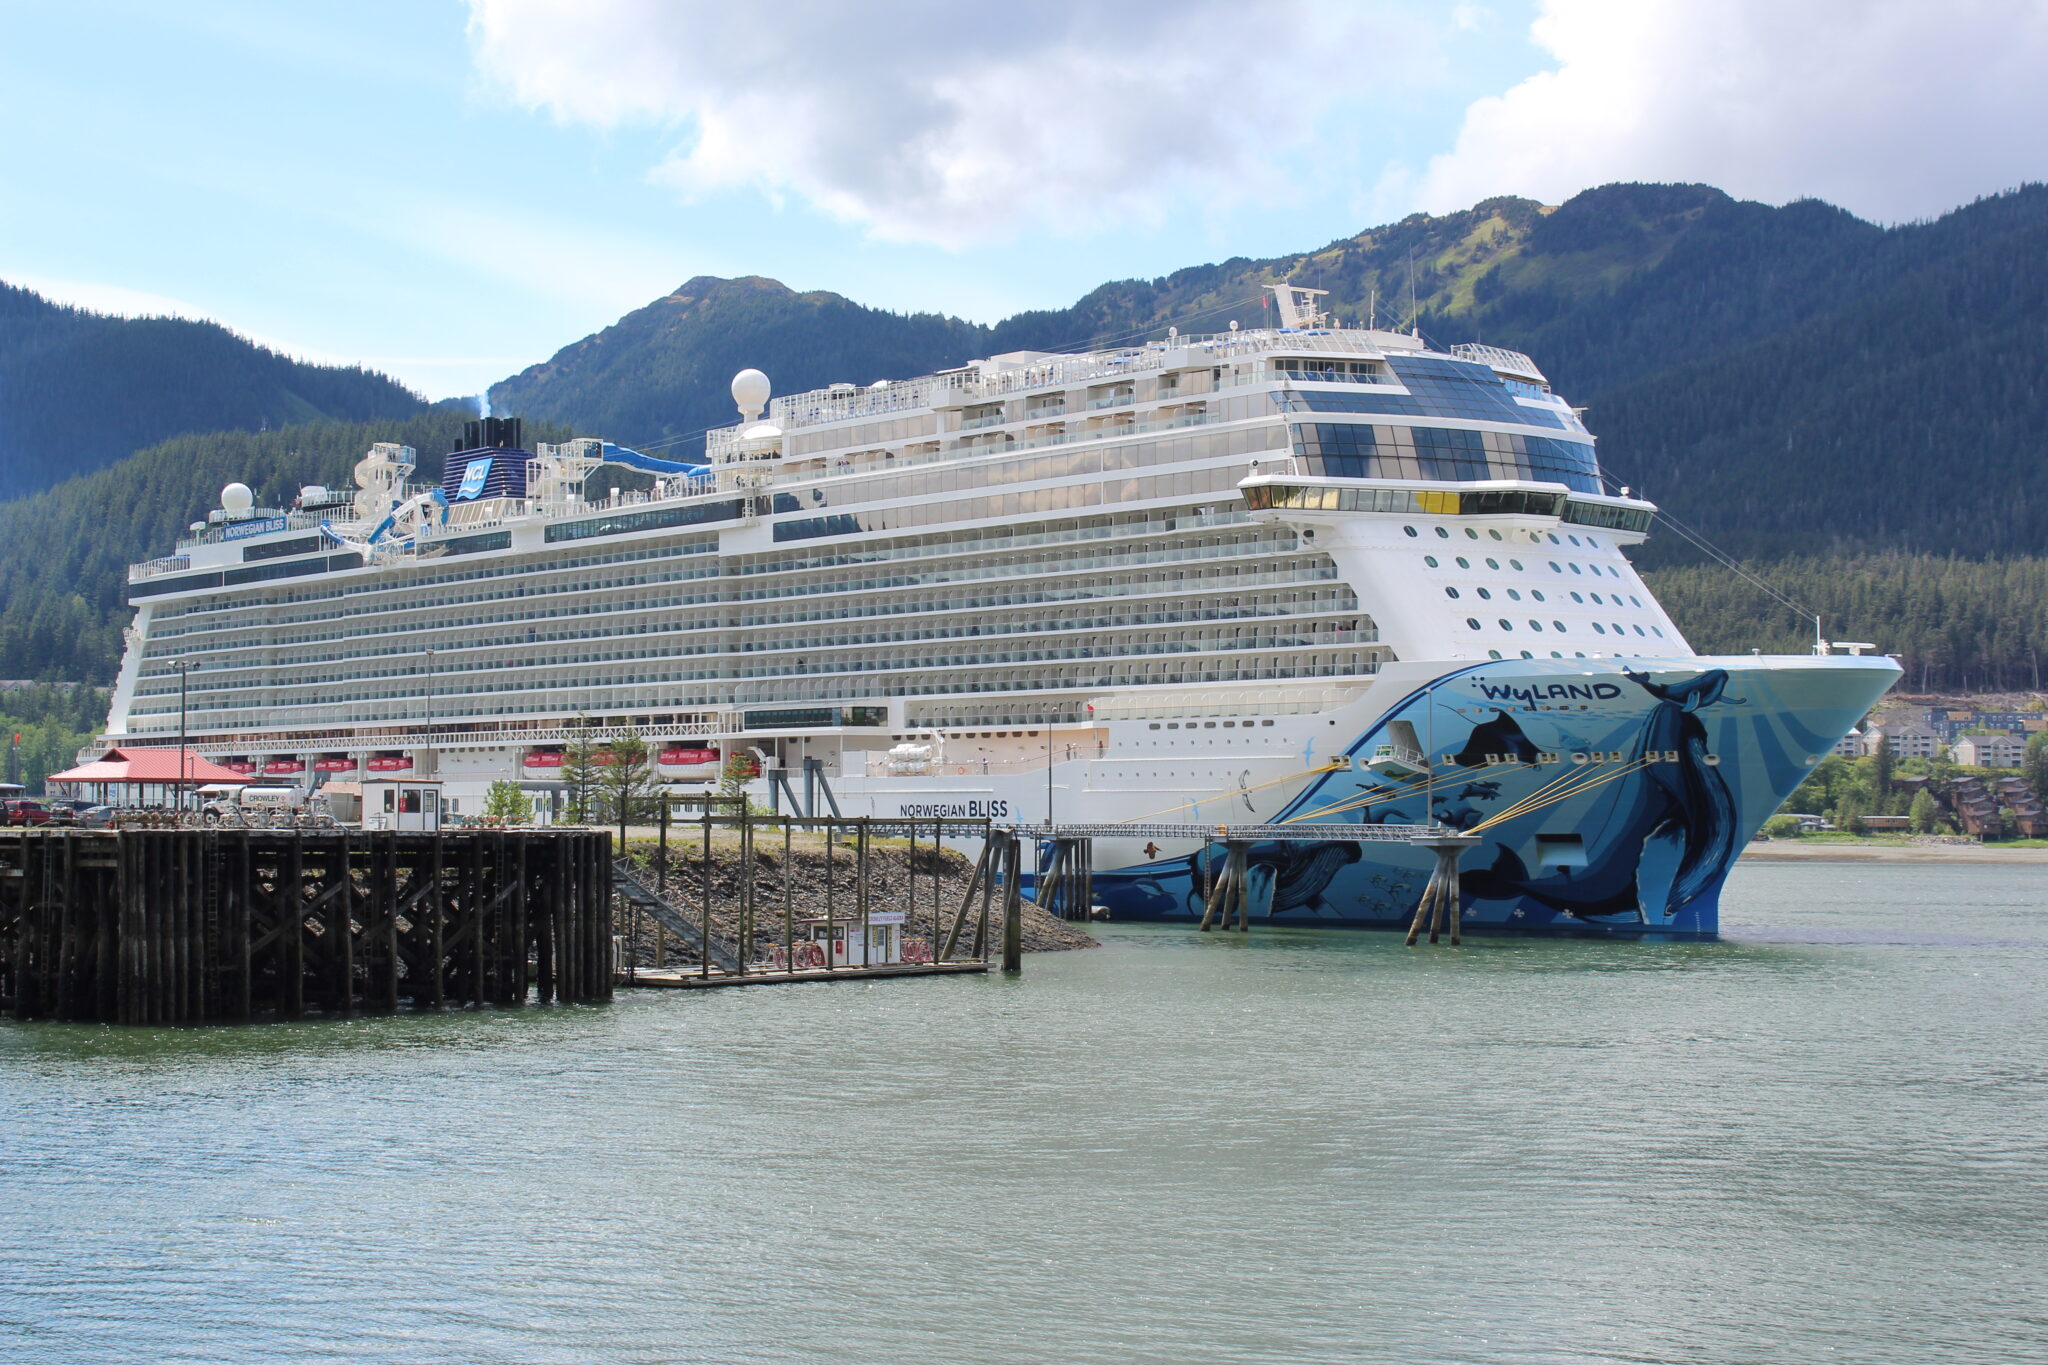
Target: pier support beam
1442,900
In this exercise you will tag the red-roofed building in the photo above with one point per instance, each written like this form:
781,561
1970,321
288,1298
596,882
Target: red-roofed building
141,777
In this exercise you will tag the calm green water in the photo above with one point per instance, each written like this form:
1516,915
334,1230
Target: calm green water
1825,1139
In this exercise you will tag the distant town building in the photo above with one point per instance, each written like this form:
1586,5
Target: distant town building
1850,745
1908,740
1989,751
1949,724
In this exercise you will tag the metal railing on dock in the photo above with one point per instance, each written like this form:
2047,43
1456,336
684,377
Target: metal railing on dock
746,897
180,926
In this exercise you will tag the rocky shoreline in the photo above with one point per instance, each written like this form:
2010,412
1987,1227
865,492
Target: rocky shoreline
817,879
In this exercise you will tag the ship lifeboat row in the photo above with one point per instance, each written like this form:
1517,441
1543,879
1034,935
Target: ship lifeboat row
674,756
289,765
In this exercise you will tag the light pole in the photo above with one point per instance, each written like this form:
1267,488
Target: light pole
433,764
184,667
1048,769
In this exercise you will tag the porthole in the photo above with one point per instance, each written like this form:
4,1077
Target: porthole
1513,595
1599,629
1554,567
1595,596
1637,600
1409,529
1515,564
1556,654
1537,593
1472,621
1494,534
1577,598
1659,630
1492,563
1575,568
1553,537
1450,592
1442,532
1493,654
1464,563
1536,626
1639,630
1505,624
1527,655
1429,560
1573,539
1620,629
1471,534
1486,593
1559,625
1578,654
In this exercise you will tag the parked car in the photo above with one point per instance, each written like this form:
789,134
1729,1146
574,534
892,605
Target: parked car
21,811
97,817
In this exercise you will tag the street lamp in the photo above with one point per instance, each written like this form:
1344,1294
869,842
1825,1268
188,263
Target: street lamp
184,667
433,764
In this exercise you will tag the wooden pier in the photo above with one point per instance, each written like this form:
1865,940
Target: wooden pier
183,926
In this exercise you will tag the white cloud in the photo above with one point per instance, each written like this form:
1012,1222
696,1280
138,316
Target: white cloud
941,122
1890,108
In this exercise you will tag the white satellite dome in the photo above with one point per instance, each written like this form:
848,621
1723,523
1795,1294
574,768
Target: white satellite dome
237,497
750,389
762,431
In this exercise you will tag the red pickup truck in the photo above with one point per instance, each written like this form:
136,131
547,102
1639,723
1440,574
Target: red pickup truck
19,811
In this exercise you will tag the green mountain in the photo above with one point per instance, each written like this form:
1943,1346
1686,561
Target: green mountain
661,372
80,390
1787,380
65,551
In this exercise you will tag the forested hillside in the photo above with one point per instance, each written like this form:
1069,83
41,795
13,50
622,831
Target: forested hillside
64,553
80,390
1786,379
1957,625
662,371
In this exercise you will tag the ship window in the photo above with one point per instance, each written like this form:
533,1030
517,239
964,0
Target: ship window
1620,629
1444,533
1464,563
1659,631
1429,560
1558,624
1485,593
1472,621
1595,596
1599,629
1536,626
1573,539
1493,654
1527,655
1537,593
1514,596
1265,722
1450,592
1494,534
1553,538
1493,563
1577,598
1556,654
1153,726
1409,529
1471,534
1576,569
1637,600
1506,624
1515,564
1639,630
1554,567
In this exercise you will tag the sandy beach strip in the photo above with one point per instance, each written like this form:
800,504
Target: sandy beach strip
1788,850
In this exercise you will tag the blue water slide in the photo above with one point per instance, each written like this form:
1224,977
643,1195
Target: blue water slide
633,459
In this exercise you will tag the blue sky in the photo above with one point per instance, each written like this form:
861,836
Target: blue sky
451,192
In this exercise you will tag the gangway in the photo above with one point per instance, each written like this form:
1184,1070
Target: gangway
636,893
1297,833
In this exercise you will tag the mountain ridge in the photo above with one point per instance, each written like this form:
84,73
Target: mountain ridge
80,390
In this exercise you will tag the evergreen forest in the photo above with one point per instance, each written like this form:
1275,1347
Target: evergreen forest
1854,411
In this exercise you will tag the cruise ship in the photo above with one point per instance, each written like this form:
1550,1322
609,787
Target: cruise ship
1305,574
